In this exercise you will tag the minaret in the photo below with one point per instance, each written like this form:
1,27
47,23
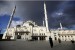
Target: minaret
9,24
43,23
60,26
46,19
11,17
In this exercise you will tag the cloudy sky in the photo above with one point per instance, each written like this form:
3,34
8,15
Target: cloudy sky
57,11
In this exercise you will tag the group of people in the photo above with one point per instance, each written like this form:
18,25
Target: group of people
51,41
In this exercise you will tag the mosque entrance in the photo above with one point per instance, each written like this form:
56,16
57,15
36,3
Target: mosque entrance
34,38
38,37
42,38
18,36
55,38
8,37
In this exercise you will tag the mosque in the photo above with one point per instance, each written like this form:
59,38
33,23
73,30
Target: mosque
30,31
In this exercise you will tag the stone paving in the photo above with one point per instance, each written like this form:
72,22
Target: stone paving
35,45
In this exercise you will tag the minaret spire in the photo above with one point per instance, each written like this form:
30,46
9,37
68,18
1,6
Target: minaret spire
9,24
60,26
43,23
46,18
11,17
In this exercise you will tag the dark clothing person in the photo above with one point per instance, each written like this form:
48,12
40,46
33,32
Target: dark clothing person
51,42
72,41
59,40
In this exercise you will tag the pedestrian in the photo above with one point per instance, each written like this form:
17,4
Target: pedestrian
72,41
51,42
59,40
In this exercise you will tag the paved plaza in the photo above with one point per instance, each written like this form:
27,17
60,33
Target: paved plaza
35,45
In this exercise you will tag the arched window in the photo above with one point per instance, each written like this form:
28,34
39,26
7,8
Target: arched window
25,27
44,33
34,29
40,33
54,33
41,29
33,34
71,36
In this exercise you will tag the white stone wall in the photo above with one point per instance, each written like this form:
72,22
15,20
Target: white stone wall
65,35
39,30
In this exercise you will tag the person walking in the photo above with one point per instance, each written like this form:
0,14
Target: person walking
59,40
72,41
51,42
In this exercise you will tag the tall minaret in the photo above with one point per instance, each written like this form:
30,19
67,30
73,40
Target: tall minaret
46,19
9,24
43,23
60,26
11,17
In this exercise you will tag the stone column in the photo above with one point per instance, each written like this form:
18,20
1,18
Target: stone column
61,38
64,38
18,33
38,38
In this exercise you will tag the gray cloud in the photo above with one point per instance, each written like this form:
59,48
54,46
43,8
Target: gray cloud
34,10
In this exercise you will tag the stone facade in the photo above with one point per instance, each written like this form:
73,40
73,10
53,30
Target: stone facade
64,35
27,31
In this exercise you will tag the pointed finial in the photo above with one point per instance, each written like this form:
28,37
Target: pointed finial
60,25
